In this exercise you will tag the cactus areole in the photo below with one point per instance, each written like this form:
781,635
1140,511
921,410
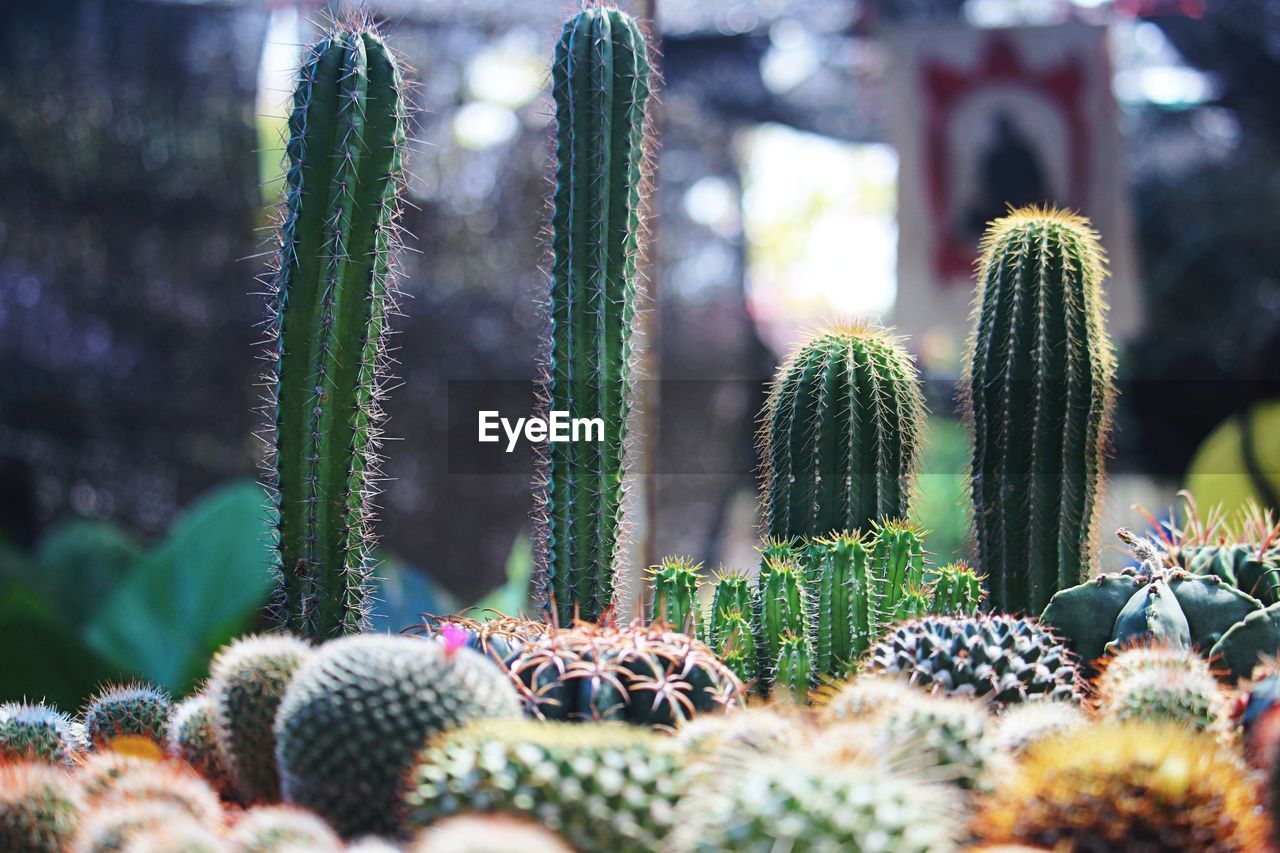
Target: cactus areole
600,82
331,284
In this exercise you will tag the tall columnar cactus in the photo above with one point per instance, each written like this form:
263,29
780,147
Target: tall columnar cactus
1039,393
782,611
332,287
841,431
600,82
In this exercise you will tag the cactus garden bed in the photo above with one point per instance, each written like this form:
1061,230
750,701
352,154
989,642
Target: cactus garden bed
846,693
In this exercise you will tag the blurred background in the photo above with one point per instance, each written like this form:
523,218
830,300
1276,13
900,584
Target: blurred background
819,160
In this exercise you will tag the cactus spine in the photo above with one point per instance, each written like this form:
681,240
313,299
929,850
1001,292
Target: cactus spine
600,82
1039,394
841,435
332,287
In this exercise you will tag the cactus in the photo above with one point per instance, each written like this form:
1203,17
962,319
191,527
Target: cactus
39,808
1028,723
840,439
675,594
156,782
277,829
186,836
358,710
954,590
39,733
645,675
756,730
1157,603
794,669
841,618
782,603
600,82
1038,391
247,681
945,738
732,595
127,710
1144,658
193,738
1120,786
1244,551
862,698
605,787
487,834
1000,659
1189,697
800,802
126,824
332,289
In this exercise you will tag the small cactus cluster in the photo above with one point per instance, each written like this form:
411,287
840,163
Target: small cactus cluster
998,658
646,675
818,605
1244,551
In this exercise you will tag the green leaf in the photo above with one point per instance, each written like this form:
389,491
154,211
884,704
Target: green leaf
199,587
43,660
513,596
80,564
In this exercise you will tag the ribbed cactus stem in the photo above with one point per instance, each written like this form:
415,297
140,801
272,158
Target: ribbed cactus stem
735,644
897,558
840,612
793,672
332,283
783,609
732,595
600,82
956,590
1039,396
675,593
841,434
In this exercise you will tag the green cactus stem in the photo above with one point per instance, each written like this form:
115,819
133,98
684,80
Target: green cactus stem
956,590
332,291
793,672
783,610
600,82
840,439
841,611
675,593
1039,392
732,596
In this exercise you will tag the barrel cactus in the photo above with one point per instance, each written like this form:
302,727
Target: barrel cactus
646,675
277,829
942,738
603,787
600,84
475,833
1021,726
1038,391
332,286
36,732
1158,604
497,638
247,681
193,738
800,802
841,434
359,709
1123,786
39,808
998,658
128,710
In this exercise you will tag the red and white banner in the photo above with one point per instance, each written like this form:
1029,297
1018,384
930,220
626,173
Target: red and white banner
985,119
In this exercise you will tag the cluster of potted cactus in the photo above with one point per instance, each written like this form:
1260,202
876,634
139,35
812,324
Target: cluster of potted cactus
848,695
